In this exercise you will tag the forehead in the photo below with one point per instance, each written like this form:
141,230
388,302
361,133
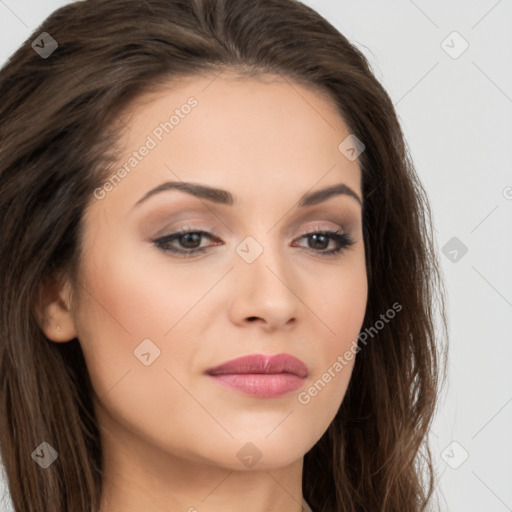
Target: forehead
257,135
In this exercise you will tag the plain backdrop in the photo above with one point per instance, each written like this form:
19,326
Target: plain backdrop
447,66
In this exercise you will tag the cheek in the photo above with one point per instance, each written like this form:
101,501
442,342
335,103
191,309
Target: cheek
122,322
132,292
340,303
341,306
118,309
129,295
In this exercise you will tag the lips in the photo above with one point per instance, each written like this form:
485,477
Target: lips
261,364
261,376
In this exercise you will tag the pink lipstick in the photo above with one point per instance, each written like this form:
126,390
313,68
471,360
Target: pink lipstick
261,375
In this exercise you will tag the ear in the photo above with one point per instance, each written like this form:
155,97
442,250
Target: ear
53,309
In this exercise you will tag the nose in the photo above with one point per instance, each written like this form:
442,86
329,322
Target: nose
265,292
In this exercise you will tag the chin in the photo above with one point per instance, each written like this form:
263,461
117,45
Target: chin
253,455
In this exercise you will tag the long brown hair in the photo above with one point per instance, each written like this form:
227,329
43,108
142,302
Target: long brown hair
59,128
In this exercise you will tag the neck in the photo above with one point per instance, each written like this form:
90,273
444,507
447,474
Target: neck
139,476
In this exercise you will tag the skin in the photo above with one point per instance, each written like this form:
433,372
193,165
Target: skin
171,434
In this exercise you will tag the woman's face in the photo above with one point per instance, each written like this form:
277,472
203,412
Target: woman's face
153,322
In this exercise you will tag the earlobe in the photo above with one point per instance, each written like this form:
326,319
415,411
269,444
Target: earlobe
54,311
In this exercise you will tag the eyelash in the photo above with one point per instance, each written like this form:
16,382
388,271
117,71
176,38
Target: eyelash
343,239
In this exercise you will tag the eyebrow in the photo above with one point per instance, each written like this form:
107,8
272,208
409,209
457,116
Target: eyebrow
220,196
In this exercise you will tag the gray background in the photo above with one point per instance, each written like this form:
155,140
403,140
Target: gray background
456,113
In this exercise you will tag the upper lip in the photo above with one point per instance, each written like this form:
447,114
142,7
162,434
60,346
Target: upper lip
260,363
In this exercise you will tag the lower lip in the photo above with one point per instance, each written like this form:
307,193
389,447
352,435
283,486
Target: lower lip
263,385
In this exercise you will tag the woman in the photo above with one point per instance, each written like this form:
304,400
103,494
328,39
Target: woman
218,274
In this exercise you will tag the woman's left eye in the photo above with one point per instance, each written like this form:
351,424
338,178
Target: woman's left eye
191,242
321,237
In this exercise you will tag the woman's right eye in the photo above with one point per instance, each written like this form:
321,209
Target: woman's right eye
189,240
